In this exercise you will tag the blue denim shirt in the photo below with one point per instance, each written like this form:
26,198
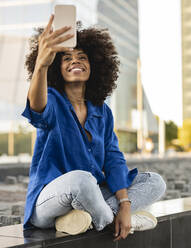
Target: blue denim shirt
62,146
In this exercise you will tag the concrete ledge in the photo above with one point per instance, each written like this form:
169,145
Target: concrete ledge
172,231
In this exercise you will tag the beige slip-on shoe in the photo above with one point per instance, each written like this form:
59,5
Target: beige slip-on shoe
142,220
74,222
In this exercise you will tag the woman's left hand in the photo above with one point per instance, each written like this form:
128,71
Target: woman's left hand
123,221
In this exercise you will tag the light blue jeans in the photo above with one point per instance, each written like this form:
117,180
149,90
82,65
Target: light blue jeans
79,190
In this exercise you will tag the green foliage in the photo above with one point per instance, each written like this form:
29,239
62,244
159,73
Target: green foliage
127,141
3,143
22,142
171,132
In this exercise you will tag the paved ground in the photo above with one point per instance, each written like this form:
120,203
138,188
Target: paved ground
6,196
12,201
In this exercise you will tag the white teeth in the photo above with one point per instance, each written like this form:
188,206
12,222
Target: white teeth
76,69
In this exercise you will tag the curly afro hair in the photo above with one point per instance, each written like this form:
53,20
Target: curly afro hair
102,55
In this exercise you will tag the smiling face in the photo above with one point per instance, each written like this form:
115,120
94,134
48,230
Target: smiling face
75,66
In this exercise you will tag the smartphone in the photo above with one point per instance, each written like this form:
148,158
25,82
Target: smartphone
65,15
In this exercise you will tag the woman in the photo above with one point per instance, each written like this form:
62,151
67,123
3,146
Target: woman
78,176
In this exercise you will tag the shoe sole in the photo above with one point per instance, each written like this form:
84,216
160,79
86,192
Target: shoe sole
75,222
145,213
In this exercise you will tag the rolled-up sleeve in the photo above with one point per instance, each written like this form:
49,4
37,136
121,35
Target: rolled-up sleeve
115,167
45,119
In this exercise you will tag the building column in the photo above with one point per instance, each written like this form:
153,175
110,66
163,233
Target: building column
140,138
11,140
33,138
161,137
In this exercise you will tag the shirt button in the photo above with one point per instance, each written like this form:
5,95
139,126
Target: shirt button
92,166
89,150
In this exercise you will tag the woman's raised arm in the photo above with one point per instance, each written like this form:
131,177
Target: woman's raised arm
47,50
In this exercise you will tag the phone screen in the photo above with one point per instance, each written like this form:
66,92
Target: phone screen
65,15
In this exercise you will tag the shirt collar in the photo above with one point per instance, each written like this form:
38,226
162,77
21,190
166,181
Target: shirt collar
92,109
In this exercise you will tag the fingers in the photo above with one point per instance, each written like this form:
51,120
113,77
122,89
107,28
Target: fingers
61,49
123,235
48,27
60,39
51,31
116,228
59,32
124,231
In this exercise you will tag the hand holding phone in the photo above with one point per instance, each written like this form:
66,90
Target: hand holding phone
48,43
65,15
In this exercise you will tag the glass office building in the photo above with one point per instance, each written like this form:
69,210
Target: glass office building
121,18
184,133
186,58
